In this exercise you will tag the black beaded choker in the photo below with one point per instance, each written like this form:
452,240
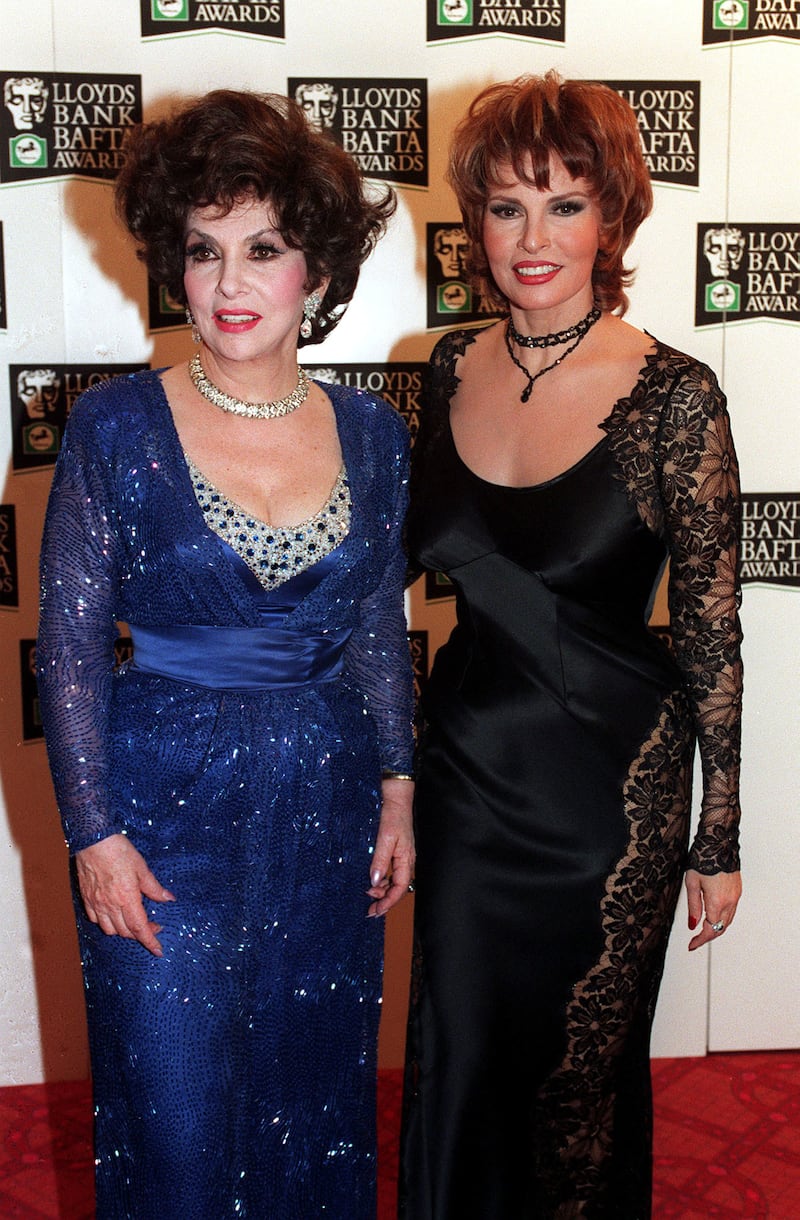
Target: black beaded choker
573,335
560,336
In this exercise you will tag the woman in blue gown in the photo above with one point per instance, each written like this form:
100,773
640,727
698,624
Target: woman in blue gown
236,798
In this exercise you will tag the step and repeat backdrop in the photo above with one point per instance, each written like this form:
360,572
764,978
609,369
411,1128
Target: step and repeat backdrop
714,84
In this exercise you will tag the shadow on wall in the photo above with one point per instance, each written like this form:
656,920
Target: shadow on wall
437,204
35,831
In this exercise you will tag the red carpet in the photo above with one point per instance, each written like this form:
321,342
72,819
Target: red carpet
727,1142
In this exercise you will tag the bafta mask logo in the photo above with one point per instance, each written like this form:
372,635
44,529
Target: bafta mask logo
724,249
37,390
319,100
451,247
25,98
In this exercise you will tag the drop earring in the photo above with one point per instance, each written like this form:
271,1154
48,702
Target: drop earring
196,337
310,309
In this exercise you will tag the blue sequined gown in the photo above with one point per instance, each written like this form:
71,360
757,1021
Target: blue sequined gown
235,1076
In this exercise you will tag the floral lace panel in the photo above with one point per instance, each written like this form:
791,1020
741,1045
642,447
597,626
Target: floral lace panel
275,553
672,444
578,1108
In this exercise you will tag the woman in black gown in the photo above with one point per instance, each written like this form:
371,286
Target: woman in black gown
563,459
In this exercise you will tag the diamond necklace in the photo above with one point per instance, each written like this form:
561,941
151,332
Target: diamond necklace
252,410
577,333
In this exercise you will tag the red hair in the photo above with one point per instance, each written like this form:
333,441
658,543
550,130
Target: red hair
523,123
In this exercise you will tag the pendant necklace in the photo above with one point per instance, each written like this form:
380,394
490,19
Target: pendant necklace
251,410
574,335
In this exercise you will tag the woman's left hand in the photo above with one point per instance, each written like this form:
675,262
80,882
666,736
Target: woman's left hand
392,865
712,900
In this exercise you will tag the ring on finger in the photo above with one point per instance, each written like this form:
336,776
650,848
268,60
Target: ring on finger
718,927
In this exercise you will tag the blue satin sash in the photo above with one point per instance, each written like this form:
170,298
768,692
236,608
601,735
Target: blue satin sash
268,657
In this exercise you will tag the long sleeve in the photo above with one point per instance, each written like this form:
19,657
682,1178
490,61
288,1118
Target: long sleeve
77,629
378,656
699,485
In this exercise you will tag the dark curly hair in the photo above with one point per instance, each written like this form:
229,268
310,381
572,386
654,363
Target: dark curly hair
591,129
228,145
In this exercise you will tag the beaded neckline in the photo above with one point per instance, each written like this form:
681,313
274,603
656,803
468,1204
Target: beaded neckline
275,553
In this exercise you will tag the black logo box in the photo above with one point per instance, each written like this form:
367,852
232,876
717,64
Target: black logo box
418,646
726,21
259,18
9,570
451,298
41,400
770,538
668,113
382,123
543,20
747,271
59,124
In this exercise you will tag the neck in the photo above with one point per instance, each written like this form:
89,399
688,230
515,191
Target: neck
541,322
251,380
565,341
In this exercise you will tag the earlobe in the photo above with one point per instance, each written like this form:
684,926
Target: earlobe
320,288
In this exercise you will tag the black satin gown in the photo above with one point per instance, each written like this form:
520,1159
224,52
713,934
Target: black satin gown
552,821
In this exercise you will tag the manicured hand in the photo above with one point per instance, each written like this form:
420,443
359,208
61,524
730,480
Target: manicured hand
392,866
113,876
712,904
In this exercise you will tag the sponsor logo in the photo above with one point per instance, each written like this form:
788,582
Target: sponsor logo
382,123
399,384
451,299
418,644
164,313
41,400
438,587
726,21
770,545
9,583
55,124
747,271
259,18
31,715
537,19
668,114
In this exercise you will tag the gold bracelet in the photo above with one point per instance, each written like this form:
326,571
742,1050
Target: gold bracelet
396,775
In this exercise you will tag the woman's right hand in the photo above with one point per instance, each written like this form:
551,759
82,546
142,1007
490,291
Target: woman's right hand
112,876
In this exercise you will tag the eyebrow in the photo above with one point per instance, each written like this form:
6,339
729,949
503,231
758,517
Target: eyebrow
499,193
257,236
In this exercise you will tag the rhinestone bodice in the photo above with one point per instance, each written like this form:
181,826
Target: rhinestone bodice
275,553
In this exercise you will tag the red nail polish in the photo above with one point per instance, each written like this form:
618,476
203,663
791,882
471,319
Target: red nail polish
692,923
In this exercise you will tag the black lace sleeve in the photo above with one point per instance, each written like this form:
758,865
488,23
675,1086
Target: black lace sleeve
699,489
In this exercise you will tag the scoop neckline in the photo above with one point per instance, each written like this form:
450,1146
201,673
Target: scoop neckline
581,461
528,487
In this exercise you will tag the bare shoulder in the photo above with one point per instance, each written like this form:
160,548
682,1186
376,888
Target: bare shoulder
483,349
621,341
